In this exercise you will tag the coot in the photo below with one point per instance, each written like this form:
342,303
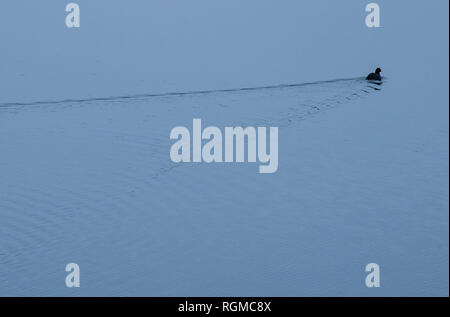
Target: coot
374,76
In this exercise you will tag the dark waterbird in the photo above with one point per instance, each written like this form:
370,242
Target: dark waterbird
374,76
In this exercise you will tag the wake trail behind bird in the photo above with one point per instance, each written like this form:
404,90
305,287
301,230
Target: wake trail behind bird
174,93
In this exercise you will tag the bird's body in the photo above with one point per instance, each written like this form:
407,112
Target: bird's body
373,76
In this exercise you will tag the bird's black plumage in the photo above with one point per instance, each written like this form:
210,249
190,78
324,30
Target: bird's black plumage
374,76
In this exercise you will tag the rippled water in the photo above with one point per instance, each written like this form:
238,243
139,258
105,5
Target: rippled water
90,181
